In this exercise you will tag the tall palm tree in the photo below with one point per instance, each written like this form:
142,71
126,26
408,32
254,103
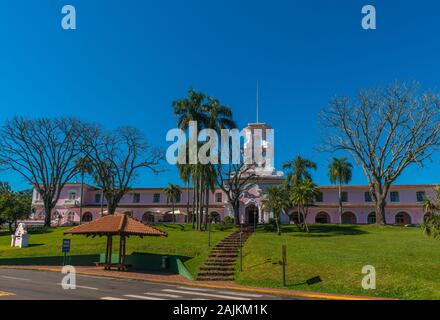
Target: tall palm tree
189,109
340,172
218,116
299,169
84,166
172,193
276,201
185,175
303,194
209,114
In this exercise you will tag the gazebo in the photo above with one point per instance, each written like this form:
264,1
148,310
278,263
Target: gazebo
118,224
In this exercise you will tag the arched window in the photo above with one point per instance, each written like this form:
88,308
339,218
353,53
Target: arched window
148,217
215,217
371,218
403,218
348,218
87,217
322,218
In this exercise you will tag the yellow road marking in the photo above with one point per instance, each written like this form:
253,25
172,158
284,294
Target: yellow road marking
291,293
5,294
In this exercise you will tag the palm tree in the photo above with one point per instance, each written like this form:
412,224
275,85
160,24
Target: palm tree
218,116
431,224
299,169
340,172
190,109
276,201
84,166
172,193
303,194
185,175
209,114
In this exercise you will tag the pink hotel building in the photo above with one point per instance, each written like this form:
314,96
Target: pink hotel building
149,205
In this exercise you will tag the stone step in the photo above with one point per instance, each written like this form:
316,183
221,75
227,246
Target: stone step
217,268
223,255
213,261
210,278
224,250
216,274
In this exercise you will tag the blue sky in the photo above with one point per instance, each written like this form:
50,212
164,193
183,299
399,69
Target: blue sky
128,60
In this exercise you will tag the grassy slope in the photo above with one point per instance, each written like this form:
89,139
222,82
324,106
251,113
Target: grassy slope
181,240
407,263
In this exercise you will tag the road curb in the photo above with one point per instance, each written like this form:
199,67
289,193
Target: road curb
283,292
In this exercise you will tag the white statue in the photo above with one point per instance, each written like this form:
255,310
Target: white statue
21,237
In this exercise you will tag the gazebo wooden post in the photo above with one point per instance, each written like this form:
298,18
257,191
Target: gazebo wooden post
122,243
115,225
106,253
108,258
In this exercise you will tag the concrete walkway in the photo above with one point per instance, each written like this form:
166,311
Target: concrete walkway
177,279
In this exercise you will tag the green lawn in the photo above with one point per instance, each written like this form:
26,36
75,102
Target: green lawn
407,263
181,240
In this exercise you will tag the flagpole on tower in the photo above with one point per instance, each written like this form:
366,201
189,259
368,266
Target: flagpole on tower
258,102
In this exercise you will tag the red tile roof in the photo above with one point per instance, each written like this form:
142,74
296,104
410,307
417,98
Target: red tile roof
117,224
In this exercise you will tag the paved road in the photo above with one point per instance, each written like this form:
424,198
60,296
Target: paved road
42,285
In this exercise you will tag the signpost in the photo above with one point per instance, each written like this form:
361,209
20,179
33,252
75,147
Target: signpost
284,261
65,249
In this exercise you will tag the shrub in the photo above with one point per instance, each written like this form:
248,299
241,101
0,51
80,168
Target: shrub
271,226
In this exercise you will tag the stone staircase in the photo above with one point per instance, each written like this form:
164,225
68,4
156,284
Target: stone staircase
221,262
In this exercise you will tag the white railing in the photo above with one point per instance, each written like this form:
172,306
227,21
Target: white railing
71,202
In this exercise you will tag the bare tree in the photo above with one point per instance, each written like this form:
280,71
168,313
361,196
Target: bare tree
235,180
43,152
117,157
385,130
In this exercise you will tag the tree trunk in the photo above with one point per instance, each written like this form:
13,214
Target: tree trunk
47,213
340,200
81,199
236,208
194,208
207,209
187,200
197,205
380,212
201,205
174,215
380,193
102,203
277,221
111,207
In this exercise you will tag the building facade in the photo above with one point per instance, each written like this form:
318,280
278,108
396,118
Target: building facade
149,205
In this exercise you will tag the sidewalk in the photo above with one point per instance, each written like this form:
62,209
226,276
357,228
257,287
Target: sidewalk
179,280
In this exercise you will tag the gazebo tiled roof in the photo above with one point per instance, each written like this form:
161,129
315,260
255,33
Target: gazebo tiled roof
116,224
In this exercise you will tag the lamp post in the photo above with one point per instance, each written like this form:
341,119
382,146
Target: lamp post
241,243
